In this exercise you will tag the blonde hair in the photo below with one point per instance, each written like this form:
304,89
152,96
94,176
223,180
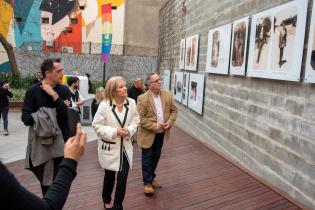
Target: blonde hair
99,94
111,87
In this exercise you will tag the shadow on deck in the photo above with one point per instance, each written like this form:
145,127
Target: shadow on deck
192,175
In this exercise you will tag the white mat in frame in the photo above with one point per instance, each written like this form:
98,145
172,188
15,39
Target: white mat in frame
218,52
196,90
276,42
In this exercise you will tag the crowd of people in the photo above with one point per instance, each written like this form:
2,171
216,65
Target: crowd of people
56,140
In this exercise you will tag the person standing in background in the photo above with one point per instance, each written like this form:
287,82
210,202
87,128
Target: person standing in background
136,89
99,97
4,105
76,97
89,82
38,78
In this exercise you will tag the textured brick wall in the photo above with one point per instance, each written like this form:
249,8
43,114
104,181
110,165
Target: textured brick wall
129,67
267,126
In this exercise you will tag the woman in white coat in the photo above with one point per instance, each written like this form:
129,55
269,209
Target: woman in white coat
115,122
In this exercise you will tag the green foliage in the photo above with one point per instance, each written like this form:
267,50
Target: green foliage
18,82
18,94
96,85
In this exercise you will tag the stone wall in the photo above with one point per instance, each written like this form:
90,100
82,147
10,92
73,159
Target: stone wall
129,67
266,126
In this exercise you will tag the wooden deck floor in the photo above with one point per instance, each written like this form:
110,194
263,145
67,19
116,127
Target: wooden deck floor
193,177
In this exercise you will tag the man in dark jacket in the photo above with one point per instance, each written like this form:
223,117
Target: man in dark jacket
51,94
4,104
136,89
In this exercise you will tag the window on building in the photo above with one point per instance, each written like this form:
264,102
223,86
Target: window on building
82,7
114,7
45,20
18,19
73,20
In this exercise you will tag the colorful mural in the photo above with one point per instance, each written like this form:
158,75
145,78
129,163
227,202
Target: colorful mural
57,26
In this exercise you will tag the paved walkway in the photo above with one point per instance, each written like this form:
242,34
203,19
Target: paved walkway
13,147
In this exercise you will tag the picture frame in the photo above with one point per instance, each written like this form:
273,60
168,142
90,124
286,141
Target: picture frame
277,41
178,86
310,56
218,52
196,90
185,92
191,52
238,52
182,53
166,79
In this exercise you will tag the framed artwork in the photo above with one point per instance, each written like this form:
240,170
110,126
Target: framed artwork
218,55
310,57
276,42
196,88
185,88
182,54
239,46
166,79
191,52
178,86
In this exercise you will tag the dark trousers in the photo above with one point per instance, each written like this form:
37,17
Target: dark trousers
109,181
150,158
4,113
39,173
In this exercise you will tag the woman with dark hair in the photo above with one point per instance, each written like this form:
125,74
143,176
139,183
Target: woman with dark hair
4,104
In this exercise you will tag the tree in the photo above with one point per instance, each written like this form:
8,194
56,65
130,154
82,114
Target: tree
9,49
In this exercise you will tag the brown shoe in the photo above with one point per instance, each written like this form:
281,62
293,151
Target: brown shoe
156,184
148,189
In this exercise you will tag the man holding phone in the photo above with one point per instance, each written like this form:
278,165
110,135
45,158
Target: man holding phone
158,113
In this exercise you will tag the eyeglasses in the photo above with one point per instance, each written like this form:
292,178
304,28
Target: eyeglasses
156,81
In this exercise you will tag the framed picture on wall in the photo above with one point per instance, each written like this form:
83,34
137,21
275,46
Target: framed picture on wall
182,54
166,79
239,46
310,57
276,42
178,86
185,88
218,54
191,52
196,89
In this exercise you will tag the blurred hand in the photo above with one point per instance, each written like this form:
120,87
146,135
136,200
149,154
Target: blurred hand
122,132
6,86
159,126
166,126
50,91
74,148
67,102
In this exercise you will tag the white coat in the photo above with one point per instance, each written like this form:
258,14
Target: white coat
111,146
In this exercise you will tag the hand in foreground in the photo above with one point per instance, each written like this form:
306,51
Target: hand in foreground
74,148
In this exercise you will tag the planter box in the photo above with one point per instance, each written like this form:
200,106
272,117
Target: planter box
15,105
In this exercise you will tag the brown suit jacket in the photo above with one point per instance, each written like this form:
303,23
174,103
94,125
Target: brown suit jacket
148,120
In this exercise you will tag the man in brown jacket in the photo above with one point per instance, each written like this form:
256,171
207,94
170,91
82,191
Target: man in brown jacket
158,113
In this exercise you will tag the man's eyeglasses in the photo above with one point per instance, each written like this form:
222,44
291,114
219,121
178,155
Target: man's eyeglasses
156,81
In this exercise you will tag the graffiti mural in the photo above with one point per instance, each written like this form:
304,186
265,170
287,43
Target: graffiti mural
57,26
